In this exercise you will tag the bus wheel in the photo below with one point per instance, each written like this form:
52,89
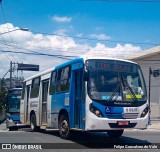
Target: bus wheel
33,123
64,128
13,128
115,133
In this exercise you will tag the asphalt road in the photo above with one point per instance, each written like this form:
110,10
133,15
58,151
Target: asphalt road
82,141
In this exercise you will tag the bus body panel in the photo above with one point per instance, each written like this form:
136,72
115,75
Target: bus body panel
65,101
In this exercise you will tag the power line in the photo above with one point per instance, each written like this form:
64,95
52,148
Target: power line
107,53
34,52
94,39
7,46
2,63
5,54
44,54
60,49
48,48
60,56
8,28
91,39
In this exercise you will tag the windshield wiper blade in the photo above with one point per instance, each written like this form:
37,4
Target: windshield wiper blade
114,92
125,84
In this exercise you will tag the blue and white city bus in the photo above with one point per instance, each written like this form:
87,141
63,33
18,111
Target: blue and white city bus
88,94
13,108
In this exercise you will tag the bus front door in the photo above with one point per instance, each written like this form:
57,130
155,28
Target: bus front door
79,103
44,101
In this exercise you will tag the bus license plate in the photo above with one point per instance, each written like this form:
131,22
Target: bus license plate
131,110
123,123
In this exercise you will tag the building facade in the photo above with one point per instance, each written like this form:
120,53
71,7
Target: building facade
149,60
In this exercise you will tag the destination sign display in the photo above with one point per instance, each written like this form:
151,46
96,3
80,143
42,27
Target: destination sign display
15,92
113,67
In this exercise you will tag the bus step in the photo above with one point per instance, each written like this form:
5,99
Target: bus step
43,126
48,129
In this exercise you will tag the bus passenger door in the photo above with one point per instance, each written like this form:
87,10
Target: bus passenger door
79,103
44,101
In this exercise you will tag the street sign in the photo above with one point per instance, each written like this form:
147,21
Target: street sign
28,67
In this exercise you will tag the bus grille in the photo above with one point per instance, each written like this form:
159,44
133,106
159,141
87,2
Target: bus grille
130,115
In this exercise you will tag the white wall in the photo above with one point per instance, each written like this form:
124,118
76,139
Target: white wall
155,82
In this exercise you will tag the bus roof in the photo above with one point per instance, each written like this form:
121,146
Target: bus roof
81,59
107,58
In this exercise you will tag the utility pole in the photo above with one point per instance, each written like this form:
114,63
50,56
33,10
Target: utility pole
22,67
10,74
149,98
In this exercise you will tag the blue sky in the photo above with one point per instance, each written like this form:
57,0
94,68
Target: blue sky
93,19
125,21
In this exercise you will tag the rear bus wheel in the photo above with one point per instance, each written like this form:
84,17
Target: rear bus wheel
115,133
64,127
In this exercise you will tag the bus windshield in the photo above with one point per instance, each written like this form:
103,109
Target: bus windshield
13,100
14,103
112,80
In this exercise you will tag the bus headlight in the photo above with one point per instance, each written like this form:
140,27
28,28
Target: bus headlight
8,116
145,111
94,110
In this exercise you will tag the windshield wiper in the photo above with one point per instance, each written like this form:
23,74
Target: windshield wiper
127,86
114,92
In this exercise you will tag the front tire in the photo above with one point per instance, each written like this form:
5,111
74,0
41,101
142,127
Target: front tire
13,128
64,127
115,133
33,123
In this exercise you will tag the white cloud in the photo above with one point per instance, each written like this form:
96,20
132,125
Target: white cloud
61,32
100,36
120,51
79,35
61,18
52,44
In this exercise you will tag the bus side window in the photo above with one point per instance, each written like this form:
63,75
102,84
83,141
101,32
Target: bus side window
23,90
63,80
35,88
52,89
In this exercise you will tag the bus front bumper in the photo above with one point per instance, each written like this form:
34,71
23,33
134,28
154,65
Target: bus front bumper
10,123
96,123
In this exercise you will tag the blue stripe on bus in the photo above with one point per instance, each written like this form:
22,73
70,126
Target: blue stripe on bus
15,118
109,111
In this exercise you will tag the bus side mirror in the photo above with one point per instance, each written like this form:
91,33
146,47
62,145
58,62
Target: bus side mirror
86,76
